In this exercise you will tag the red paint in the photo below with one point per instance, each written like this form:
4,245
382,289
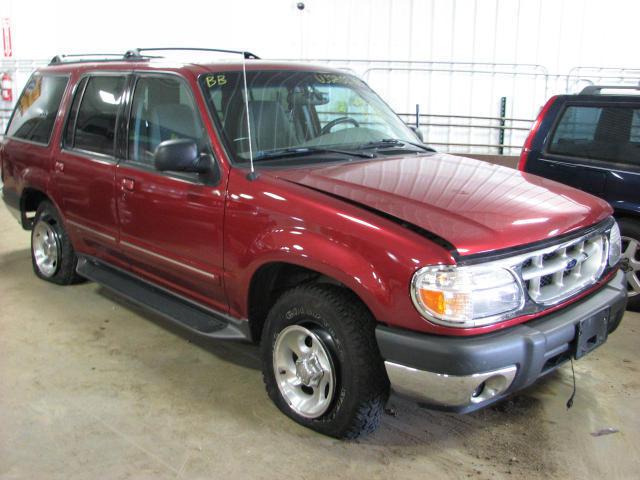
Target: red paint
476,206
526,148
207,242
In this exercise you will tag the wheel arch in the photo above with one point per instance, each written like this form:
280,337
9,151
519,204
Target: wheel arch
30,200
271,279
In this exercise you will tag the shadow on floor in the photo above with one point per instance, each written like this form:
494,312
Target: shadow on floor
240,353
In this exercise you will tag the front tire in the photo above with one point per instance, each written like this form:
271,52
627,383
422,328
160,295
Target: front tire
321,364
630,232
52,254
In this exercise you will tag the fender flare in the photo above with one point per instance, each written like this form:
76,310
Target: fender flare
347,266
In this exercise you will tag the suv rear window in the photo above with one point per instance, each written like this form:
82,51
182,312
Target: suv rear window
95,124
609,133
36,110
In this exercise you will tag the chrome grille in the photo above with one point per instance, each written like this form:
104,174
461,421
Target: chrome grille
556,273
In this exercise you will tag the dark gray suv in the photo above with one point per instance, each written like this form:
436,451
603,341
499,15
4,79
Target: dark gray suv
591,141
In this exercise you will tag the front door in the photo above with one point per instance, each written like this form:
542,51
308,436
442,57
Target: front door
170,222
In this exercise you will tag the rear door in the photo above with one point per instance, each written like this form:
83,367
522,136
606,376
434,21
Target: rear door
84,168
170,222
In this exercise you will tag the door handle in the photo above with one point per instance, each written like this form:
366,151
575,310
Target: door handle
58,166
127,184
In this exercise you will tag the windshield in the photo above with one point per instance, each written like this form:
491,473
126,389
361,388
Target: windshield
301,112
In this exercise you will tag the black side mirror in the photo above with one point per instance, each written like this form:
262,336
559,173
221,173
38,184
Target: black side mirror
418,133
179,155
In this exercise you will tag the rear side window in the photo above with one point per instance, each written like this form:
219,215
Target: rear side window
94,127
609,133
36,110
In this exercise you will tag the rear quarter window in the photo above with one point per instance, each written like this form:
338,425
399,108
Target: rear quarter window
606,133
35,113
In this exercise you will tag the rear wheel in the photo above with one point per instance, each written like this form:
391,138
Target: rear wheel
321,363
52,254
630,232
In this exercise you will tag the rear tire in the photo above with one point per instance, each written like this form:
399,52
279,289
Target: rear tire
630,231
52,254
346,366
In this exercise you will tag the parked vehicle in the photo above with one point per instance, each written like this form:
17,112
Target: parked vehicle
288,205
591,141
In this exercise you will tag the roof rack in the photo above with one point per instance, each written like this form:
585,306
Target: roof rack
90,57
136,52
597,89
136,55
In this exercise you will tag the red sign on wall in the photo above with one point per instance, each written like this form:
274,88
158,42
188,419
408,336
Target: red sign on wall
6,38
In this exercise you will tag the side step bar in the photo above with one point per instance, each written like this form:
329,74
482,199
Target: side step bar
201,320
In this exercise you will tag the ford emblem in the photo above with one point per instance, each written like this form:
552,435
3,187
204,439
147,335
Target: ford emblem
571,263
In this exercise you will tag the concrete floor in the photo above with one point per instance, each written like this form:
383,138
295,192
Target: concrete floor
92,387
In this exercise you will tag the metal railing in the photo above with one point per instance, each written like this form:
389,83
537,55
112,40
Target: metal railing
496,144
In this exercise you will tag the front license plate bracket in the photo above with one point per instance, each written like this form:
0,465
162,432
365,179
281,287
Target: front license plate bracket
591,333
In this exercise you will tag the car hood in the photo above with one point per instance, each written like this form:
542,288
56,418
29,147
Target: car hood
475,206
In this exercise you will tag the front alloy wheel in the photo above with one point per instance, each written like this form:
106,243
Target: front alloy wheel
630,261
321,363
304,371
631,264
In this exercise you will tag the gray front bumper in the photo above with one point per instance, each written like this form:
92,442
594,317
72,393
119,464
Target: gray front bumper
466,373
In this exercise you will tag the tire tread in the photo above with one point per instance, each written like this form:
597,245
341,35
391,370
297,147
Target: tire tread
358,327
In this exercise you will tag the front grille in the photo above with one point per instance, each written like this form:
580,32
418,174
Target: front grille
551,275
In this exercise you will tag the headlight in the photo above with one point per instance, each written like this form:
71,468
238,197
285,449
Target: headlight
615,245
465,296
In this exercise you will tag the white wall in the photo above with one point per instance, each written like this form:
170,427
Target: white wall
556,34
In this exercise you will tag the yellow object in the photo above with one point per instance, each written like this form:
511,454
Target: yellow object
433,300
213,80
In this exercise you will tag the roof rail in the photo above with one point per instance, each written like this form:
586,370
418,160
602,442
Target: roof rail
597,89
90,57
137,55
136,52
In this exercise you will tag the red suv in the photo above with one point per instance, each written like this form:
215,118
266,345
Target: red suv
288,205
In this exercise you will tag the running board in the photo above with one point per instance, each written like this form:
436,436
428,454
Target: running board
176,309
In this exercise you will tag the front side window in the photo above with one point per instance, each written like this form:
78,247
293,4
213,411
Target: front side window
36,110
609,133
95,124
299,110
163,109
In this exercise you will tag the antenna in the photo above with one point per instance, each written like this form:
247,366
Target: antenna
252,174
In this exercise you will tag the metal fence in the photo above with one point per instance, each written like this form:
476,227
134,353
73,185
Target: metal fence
474,107
500,131
462,107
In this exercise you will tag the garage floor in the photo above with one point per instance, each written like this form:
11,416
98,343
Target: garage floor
92,387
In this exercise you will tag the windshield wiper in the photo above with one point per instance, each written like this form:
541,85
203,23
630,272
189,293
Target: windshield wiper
393,142
300,151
